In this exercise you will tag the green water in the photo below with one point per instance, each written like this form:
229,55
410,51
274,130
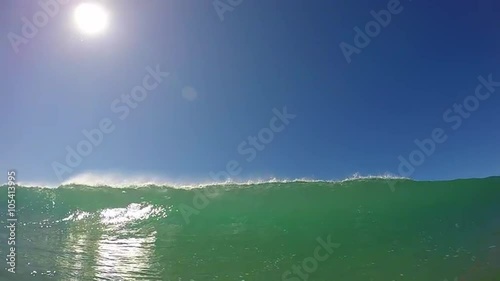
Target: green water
349,231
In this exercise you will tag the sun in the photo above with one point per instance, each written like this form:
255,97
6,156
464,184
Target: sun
91,18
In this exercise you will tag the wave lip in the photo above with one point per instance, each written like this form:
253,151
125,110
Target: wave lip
117,180
386,176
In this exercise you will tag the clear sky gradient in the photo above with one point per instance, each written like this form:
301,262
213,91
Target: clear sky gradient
226,76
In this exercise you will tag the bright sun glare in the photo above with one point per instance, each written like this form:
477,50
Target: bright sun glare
91,18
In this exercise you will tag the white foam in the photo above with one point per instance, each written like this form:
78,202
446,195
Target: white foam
120,180
385,176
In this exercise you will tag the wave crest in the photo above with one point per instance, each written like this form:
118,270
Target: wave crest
119,180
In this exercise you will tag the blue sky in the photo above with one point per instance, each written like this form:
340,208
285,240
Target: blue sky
350,117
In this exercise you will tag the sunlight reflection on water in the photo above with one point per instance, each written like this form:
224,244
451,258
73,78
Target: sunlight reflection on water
107,246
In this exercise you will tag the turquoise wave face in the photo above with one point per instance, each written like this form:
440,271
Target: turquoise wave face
352,230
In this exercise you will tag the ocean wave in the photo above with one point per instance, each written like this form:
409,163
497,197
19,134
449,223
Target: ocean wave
118,180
